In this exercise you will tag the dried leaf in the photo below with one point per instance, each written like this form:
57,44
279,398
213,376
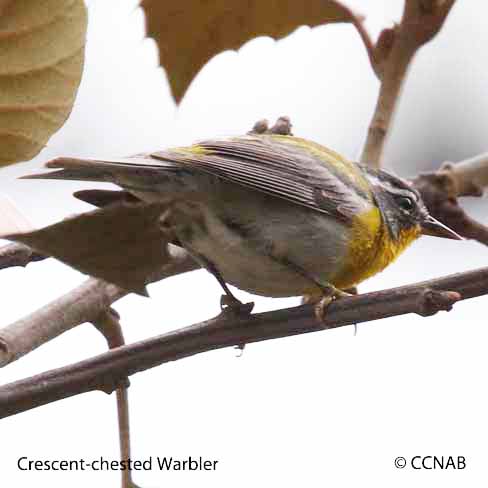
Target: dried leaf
41,60
189,33
122,244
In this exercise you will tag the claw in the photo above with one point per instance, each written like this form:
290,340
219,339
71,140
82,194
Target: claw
229,301
230,304
329,296
321,307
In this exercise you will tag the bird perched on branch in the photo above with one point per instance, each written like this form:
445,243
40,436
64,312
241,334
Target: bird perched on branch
268,212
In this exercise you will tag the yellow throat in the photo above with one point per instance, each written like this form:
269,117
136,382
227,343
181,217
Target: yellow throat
371,248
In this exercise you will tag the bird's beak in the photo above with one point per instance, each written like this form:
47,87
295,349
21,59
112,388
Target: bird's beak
432,227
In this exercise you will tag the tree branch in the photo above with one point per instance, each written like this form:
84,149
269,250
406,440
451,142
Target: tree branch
83,304
440,191
18,255
395,49
104,372
469,177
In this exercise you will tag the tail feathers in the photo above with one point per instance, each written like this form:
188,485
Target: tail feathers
96,169
73,169
104,198
139,160
70,174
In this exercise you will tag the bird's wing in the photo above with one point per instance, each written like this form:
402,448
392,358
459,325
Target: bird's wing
286,167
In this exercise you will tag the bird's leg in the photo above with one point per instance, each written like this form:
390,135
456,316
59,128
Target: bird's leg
228,302
173,228
328,292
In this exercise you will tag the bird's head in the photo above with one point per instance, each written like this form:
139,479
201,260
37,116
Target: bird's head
402,208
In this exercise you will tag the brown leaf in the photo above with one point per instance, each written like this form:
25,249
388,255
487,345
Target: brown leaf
41,61
121,244
189,33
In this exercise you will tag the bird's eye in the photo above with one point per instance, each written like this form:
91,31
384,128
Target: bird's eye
406,203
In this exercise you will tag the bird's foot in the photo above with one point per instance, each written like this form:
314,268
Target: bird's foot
230,304
330,294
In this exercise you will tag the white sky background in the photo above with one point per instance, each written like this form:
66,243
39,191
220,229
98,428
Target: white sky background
322,409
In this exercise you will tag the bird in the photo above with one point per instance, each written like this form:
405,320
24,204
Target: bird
268,212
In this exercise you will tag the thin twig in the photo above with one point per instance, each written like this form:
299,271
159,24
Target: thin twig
374,59
108,323
421,21
104,372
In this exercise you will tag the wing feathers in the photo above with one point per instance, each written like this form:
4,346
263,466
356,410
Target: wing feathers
283,166
287,171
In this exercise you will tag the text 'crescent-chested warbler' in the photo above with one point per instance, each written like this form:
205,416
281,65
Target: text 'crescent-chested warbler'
272,214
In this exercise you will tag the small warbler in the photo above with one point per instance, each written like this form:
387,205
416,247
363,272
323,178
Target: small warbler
272,214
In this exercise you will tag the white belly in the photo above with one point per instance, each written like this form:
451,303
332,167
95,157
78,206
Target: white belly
256,265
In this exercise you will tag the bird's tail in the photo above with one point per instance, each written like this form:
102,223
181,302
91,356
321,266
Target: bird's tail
99,169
